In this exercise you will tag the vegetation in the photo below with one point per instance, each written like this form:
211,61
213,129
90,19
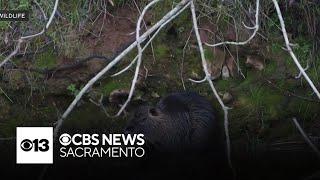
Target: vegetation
261,99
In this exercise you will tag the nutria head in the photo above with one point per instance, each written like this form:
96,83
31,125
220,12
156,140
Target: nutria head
179,121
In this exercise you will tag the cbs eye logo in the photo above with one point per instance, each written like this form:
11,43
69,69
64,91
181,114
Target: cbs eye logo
35,145
65,139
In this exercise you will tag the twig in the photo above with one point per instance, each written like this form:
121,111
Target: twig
114,62
255,27
306,138
300,74
52,14
21,39
198,81
136,74
6,95
145,25
13,53
183,57
150,40
43,13
208,78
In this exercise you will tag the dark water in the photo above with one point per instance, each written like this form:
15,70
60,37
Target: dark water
261,164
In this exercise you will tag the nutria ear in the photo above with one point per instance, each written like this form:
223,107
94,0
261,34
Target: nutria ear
153,112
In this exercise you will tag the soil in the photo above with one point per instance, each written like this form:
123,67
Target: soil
251,128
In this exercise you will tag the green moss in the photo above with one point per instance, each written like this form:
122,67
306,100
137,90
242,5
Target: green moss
256,95
116,83
183,22
304,110
161,51
314,71
259,102
4,25
109,87
24,5
250,79
73,89
208,53
303,48
271,68
224,85
162,8
46,60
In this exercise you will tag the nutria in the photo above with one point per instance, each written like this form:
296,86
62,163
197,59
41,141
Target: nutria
179,121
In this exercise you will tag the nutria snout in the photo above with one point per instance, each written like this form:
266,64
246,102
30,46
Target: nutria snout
179,121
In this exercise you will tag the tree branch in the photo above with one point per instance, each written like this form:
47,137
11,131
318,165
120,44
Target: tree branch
23,38
289,49
208,78
136,74
306,138
255,27
171,13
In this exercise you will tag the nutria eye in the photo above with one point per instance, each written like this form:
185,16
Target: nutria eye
153,112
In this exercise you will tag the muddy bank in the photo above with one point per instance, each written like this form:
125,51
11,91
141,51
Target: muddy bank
258,81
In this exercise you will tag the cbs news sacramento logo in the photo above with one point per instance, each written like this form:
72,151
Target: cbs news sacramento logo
34,145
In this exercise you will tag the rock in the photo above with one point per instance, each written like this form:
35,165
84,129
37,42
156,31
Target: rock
227,97
255,62
225,72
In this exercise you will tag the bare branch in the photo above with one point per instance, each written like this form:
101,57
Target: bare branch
136,74
208,78
255,27
306,138
43,13
31,36
13,53
198,81
150,40
289,49
115,61
53,13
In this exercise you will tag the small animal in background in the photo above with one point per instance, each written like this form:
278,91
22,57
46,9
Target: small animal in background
179,122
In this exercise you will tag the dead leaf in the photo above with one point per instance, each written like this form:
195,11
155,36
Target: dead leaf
232,66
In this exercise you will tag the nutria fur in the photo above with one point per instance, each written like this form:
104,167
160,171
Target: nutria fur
180,121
